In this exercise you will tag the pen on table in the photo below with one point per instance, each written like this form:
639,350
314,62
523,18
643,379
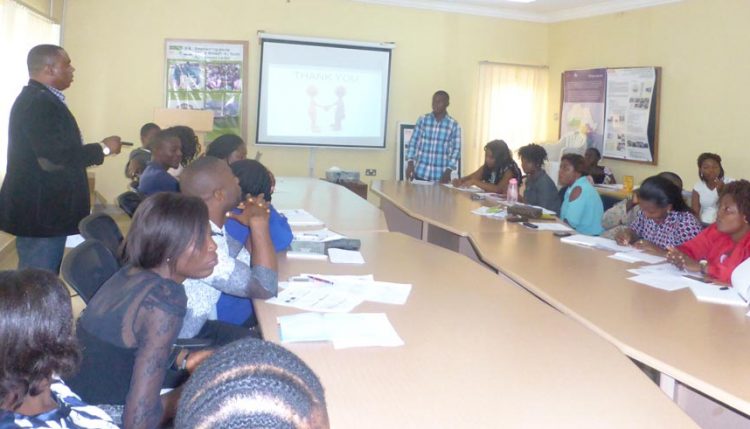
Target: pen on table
318,279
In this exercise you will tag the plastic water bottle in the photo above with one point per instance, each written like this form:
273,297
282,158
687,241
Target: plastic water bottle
512,191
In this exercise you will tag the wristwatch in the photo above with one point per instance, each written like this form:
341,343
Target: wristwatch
105,149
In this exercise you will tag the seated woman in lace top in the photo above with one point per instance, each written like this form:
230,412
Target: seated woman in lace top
36,347
129,327
665,220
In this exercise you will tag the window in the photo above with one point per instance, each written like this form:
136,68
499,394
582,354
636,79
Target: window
512,106
20,30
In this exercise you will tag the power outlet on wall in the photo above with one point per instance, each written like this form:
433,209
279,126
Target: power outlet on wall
371,172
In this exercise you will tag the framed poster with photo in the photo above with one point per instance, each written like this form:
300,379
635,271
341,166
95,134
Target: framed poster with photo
209,75
404,135
615,110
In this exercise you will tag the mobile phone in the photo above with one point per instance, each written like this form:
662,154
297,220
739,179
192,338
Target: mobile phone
561,234
530,225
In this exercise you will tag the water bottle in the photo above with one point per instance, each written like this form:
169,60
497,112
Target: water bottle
513,191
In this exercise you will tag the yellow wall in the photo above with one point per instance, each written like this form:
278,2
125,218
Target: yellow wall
117,48
701,46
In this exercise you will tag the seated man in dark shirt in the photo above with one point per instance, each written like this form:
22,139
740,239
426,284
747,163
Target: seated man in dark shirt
166,153
140,157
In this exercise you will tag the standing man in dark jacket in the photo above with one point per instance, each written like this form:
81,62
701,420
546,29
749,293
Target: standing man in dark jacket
45,193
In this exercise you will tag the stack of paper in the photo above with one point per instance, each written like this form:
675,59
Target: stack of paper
320,235
326,293
307,296
638,256
493,212
341,256
473,189
343,330
597,242
717,294
300,217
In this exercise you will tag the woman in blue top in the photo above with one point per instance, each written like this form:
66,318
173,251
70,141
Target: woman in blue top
255,179
582,206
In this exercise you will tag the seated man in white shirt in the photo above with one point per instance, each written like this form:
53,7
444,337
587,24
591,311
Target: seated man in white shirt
237,273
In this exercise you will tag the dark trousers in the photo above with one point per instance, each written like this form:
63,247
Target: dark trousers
40,252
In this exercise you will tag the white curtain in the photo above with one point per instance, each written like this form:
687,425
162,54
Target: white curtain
20,30
512,106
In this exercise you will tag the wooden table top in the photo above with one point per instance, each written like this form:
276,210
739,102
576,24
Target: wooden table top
341,209
479,352
705,346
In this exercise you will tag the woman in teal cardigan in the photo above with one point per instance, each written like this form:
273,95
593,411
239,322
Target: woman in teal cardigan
582,206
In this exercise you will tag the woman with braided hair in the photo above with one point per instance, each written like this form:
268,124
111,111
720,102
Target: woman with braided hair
252,384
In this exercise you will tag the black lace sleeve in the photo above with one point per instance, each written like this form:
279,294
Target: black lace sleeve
156,325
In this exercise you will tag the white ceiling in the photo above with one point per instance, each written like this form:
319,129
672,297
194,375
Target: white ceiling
537,11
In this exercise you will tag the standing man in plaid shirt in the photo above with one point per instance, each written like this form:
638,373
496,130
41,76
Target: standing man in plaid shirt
435,146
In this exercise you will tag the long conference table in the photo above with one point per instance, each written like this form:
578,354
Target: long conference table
695,346
480,352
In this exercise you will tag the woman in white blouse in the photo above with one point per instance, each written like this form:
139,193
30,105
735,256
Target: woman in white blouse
706,191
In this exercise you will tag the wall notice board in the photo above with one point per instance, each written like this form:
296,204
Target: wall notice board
615,110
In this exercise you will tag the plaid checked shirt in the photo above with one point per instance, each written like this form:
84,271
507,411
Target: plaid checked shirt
434,146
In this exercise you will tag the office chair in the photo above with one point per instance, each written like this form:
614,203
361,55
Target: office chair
101,227
129,201
87,267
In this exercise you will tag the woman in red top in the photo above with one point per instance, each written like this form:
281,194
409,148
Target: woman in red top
717,250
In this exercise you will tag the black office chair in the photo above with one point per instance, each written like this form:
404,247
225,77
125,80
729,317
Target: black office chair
87,267
129,201
101,227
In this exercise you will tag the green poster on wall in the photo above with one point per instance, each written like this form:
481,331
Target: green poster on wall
204,75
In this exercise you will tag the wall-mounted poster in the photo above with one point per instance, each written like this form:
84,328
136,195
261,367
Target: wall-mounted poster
404,135
208,75
629,129
582,112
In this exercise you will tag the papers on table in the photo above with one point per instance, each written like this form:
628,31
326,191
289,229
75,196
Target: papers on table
421,182
473,189
324,293
664,281
311,297
551,226
493,212
638,256
320,235
717,294
596,242
669,278
343,330
307,255
341,256
300,217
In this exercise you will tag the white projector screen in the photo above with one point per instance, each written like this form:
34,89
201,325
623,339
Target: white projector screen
323,94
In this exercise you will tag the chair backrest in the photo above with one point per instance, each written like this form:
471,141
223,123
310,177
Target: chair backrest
100,226
87,267
129,201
